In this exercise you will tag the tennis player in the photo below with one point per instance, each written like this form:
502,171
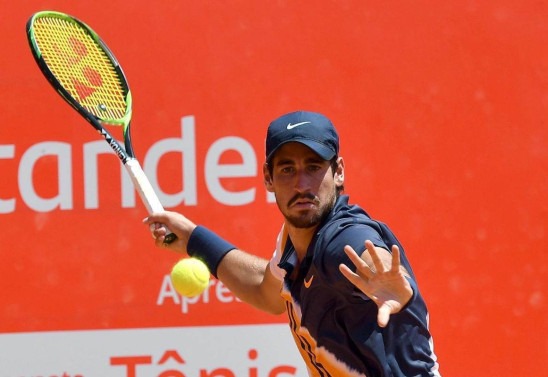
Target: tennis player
342,278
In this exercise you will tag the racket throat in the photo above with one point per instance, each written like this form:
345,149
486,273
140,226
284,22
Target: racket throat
120,152
127,143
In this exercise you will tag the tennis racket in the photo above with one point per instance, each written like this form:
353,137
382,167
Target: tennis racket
83,70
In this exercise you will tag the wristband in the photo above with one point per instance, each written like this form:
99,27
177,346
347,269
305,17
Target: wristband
209,247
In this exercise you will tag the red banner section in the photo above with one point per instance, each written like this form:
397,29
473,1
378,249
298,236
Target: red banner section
442,112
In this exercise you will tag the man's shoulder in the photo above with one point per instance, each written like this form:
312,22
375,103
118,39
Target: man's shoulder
345,215
349,225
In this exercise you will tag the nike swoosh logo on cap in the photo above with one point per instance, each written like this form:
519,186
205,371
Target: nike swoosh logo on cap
291,126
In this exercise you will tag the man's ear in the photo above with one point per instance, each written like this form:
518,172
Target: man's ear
267,178
339,172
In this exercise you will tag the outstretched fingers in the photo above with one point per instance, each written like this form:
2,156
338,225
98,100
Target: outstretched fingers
381,277
362,269
383,316
395,258
377,262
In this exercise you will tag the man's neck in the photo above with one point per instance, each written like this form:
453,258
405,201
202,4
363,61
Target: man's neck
300,238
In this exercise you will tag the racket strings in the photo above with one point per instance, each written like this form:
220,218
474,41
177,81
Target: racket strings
82,67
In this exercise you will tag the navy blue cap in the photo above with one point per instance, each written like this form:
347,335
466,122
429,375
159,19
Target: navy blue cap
311,129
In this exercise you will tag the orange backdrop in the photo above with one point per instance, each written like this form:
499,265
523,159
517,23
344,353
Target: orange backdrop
442,111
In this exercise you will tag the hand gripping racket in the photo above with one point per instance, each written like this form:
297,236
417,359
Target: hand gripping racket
81,68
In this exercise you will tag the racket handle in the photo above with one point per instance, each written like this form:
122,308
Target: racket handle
147,194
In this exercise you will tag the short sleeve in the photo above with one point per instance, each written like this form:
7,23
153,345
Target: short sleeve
332,249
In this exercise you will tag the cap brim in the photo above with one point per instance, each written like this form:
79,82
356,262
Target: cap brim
320,149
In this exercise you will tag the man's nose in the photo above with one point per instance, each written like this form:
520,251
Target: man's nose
302,181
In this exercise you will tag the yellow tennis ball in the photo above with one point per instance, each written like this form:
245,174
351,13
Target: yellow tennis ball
190,277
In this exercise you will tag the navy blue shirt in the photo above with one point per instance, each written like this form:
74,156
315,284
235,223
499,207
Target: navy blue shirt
333,323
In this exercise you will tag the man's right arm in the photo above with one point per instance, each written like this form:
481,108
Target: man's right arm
250,279
246,275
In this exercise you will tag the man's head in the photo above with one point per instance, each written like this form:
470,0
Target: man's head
303,168
311,129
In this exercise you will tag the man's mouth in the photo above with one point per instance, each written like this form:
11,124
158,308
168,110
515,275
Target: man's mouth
305,200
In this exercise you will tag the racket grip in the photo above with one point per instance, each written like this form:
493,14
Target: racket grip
147,193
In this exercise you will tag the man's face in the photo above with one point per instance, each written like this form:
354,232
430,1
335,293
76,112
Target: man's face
304,184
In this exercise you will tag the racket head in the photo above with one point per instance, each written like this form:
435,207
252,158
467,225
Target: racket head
81,68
